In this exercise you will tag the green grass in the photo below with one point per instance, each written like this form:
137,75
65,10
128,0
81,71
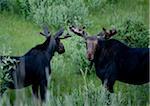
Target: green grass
67,86
18,34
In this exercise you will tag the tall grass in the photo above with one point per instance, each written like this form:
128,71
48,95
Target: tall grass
88,94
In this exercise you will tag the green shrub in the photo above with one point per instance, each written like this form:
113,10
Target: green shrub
58,13
133,32
5,5
20,7
5,65
77,12
54,13
112,1
95,4
74,58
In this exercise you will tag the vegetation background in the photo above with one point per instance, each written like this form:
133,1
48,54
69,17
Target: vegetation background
72,83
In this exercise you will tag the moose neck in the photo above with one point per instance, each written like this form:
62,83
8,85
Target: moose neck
51,47
48,48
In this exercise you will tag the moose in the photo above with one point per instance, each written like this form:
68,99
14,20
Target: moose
34,67
114,60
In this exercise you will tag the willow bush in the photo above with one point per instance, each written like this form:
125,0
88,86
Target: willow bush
4,5
55,13
133,32
74,57
95,4
5,65
58,13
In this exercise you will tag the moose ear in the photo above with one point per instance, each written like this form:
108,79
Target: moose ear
59,33
46,32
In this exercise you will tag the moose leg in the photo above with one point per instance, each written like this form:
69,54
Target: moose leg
43,88
108,84
110,77
35,91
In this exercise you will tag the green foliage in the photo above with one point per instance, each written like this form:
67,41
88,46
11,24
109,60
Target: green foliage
4,5
22,7
95,4
58,13
134,33
112,1
74,57
6,64
54,13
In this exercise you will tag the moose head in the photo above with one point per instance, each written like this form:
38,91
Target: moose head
92,41
54,41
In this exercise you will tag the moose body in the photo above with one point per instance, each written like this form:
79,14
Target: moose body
34,67
114,60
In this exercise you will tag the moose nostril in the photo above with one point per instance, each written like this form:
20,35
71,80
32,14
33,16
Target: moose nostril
89,55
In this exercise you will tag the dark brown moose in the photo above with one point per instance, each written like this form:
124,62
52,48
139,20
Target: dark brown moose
114,60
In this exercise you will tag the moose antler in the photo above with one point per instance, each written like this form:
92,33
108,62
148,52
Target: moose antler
46,32
59,33
66,36
79,31
106,34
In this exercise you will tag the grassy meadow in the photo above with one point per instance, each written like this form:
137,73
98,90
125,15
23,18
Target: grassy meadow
72,83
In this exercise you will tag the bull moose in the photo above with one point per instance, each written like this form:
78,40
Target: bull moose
34,67
114,60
